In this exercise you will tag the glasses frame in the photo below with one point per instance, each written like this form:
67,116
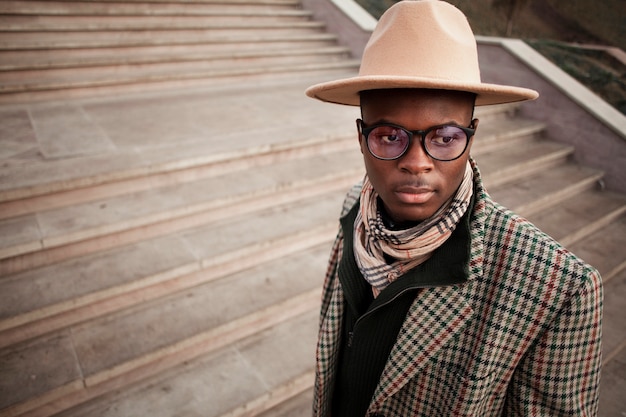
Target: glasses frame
366,130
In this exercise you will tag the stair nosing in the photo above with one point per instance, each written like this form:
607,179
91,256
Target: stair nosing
173,76
171,28
157,42
197,162
547,201
593,227
97,238
161,58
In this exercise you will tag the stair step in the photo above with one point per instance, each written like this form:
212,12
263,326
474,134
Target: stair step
95,38
76,23
67,292
74,58
215,314
55,42
244,380
69,89
195,171
520,159
163,68
604,249
189,132
613,386
297,406
531,194
213,197
577,217
504,131
613,323
106,8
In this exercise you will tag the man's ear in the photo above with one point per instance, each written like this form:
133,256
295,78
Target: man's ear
474,126
359,135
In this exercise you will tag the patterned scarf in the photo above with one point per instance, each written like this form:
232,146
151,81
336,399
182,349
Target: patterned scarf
408,248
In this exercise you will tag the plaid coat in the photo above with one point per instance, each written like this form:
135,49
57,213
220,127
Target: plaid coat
520,337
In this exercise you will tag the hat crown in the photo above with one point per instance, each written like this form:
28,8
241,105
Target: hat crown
425,39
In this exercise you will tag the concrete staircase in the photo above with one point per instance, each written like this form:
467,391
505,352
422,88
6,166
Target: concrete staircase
79,47
171,264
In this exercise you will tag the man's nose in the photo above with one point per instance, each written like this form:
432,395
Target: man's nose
416,160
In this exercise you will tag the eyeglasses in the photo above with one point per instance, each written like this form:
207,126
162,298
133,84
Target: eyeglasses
443,142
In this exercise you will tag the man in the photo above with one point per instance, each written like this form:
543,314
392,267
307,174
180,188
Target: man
438,301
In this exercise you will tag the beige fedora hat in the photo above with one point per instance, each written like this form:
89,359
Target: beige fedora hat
420,44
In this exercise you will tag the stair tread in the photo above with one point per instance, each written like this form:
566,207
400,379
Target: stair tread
613,386
155,325
63,283
43,292
189,128
78,222
578,212
56,41
171,71
604,249
37,367
524,150
143,7
253,369
501,130
82,221
613,323
93,38
42,62
545,185
298,406
152,326
519,158
73,23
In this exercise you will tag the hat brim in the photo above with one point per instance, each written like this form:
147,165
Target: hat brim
346,91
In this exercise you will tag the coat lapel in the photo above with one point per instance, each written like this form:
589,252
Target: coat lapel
436,316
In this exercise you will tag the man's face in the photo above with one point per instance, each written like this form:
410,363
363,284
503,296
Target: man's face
414,186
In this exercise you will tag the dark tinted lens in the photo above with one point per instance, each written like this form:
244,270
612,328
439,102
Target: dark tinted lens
445,142
387,142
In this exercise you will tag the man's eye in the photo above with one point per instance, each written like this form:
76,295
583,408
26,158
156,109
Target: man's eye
447,139
447,136
388,138
386,135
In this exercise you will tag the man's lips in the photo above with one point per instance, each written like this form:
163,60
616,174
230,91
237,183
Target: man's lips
414,194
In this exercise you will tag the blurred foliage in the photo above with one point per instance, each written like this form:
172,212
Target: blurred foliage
553,27
596,69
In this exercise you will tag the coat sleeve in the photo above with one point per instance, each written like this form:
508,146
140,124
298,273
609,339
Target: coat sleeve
560,375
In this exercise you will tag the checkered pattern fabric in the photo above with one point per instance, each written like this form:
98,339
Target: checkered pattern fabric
409,247
521,337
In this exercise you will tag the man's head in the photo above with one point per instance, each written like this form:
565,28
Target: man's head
419,69
415,185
